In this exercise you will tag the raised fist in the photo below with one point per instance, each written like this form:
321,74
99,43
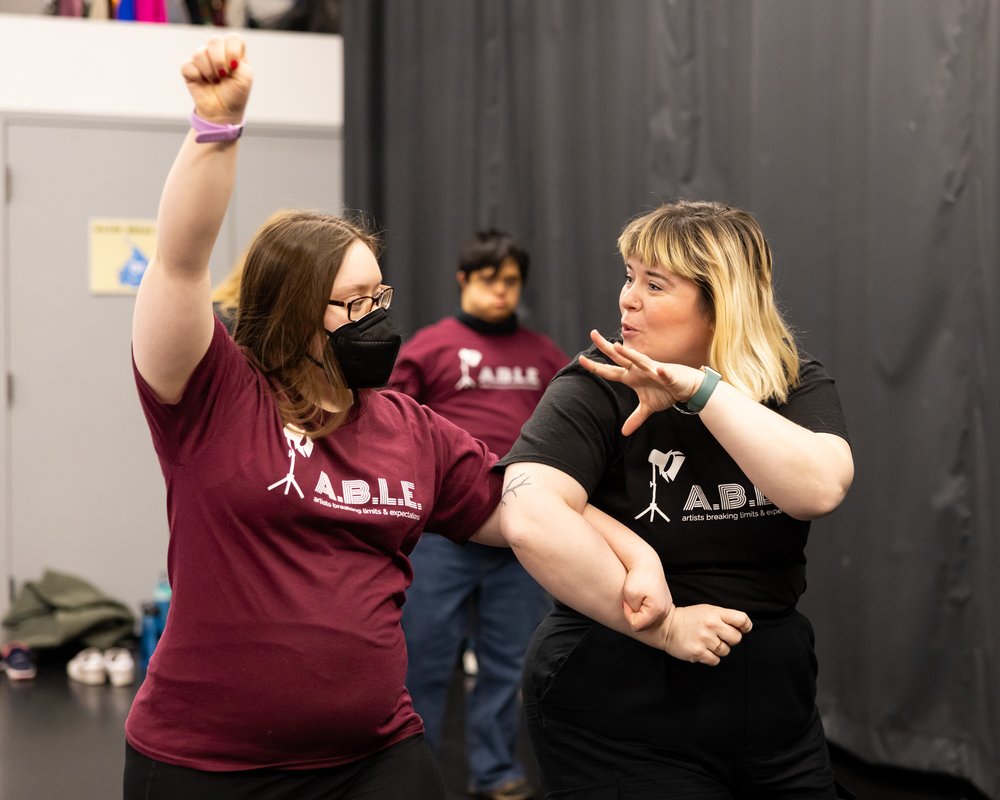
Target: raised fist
219,77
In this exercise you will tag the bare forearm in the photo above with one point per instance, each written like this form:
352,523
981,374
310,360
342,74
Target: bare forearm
627,546
193,205
541,517
172,318
804,473
573,562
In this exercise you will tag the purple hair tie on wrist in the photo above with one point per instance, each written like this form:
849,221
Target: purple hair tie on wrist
210,132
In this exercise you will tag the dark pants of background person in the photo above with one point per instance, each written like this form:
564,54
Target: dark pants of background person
405,771
510,604
613,719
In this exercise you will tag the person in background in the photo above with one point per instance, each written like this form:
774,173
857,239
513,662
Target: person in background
226,296
295,493
705,430
485,371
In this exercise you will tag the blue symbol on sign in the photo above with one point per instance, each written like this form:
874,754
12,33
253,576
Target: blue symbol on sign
132,271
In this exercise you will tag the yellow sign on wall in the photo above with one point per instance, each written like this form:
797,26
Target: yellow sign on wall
120,250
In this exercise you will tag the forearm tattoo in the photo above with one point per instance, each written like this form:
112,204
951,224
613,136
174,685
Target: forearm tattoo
513,485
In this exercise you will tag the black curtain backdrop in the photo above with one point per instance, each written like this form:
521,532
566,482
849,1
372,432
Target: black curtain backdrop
864,136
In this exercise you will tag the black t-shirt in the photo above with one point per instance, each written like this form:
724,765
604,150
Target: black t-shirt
721,541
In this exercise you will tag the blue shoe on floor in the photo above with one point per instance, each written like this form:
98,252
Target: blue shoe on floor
17,661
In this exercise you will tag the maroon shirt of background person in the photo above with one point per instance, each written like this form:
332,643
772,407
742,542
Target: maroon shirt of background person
288,562
486,383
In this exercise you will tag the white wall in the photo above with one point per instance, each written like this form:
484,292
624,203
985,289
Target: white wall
130,70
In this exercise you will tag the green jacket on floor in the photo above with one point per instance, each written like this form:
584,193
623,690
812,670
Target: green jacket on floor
62,608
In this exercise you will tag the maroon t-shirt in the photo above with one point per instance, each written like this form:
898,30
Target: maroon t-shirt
486,383
288,562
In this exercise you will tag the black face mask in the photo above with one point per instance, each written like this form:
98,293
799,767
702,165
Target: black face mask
366,349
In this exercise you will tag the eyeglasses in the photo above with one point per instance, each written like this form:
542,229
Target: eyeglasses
361,306
494,279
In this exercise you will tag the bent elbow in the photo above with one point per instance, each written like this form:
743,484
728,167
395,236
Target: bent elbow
517,528
515,534
825,500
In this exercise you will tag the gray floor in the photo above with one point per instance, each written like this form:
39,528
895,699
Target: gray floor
60,740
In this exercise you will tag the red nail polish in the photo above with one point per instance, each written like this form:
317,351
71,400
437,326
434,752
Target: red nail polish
216,80
222,72
234,64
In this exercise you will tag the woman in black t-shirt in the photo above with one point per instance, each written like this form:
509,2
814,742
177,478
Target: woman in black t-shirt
705,431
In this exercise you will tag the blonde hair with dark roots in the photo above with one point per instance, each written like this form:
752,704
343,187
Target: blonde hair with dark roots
289,269
227,293
723,250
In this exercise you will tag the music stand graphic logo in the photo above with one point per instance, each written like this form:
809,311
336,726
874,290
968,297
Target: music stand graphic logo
668,464
467,359
297,442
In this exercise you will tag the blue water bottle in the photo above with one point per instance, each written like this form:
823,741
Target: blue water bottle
150,632
161,596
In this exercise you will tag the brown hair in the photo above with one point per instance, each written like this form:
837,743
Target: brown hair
290,267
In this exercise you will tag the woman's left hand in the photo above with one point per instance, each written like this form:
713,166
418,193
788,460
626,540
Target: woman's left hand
657,385
705,634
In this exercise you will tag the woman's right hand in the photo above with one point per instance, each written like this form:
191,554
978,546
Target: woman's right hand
656,385
219,78
703,633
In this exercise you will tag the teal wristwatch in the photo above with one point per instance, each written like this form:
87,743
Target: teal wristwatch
698,400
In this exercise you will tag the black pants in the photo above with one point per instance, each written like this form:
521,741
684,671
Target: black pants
610,718
405,771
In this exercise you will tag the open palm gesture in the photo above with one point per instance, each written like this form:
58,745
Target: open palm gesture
219,77
657,385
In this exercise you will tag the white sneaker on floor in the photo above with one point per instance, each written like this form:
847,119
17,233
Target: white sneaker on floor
119,666
87,667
